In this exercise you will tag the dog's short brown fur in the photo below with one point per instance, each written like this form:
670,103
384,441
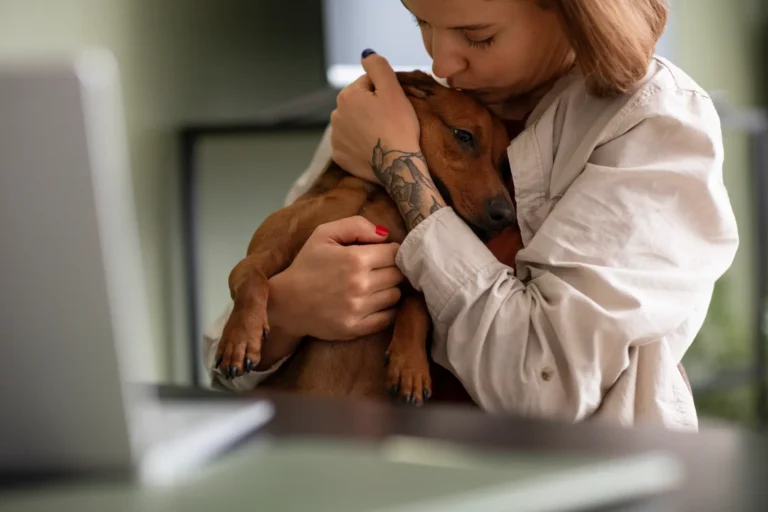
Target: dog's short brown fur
469,177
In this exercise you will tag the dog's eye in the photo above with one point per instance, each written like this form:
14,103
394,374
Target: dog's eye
464,137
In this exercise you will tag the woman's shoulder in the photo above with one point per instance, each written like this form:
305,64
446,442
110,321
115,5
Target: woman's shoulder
670,97
666,94
665,114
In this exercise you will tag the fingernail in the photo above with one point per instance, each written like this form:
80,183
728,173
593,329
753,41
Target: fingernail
382,231
218,361
368,52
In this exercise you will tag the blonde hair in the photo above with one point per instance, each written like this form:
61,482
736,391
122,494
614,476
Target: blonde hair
613,40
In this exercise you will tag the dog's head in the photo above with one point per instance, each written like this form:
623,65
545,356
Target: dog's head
465,147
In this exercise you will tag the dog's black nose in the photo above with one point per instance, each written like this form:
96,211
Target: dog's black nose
499,213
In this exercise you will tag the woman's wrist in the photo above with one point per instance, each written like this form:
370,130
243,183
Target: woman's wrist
403,172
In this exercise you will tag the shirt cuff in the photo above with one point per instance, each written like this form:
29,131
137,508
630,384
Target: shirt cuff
440,256
216,378
243,383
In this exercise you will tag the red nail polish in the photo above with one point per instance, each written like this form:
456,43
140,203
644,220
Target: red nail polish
382,231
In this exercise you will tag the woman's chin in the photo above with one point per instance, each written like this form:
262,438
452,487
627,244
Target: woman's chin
489,96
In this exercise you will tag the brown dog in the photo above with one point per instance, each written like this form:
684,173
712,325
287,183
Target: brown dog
464,146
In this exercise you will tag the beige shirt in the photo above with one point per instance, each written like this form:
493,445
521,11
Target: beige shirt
626,224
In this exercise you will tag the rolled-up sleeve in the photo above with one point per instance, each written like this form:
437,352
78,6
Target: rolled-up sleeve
634,245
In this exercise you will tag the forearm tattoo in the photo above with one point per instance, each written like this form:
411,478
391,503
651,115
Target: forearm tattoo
409,186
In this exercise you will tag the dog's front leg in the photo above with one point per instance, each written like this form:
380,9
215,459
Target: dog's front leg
408,373
272,249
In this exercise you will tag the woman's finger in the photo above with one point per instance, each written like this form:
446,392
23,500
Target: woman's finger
382,76
382,301
362,83
385,278
376,256
376,322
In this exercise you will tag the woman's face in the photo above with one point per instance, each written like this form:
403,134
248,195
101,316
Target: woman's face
495,49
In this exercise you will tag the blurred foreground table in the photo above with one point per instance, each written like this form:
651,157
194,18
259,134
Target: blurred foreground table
320,454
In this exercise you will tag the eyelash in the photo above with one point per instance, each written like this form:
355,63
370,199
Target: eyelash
485,43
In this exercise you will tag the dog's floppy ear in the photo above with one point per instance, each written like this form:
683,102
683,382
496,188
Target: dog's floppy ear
417,84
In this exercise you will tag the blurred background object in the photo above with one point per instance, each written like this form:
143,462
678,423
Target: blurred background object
212,80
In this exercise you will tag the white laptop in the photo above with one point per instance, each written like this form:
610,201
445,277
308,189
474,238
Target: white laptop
73,311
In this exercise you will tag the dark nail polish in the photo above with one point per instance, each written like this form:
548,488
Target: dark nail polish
248,365
218,361
368,52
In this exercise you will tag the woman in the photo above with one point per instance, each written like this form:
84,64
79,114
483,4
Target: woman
617,173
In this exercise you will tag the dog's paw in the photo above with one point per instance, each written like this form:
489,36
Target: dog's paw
239,350
408,376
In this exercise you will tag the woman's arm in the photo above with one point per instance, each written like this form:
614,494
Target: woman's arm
405,177
323,294
628,256
375,136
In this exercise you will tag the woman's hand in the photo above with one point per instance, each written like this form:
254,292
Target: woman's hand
336,291
375,136
373,112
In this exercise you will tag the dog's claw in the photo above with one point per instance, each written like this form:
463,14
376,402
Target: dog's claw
386,360
264,335
248,365
218,361
408,376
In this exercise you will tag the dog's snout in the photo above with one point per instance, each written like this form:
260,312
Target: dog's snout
499,213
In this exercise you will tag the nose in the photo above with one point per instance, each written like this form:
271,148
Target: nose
446,62
499,213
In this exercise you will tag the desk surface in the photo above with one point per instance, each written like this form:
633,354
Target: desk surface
725,469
